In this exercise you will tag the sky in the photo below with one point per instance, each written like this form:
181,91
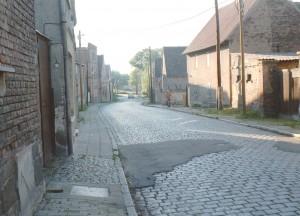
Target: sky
121,28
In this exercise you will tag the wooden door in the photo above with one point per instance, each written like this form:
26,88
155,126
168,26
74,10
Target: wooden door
46,99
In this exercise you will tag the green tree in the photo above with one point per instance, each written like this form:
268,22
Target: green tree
124,79
134,79
119,80
115,77
140,62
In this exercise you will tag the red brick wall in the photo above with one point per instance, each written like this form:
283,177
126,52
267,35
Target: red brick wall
19,100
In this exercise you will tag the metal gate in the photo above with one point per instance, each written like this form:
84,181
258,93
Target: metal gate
46,98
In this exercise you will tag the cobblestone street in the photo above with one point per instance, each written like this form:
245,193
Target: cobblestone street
256,178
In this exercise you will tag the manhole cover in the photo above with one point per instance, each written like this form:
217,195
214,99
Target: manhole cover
89,191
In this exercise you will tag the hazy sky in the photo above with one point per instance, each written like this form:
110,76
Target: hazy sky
121,28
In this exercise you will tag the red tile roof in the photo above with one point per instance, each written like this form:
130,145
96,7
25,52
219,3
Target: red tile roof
228,19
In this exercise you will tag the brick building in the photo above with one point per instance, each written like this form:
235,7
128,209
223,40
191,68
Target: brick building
174,73
21,181
88,56
269,26
272,83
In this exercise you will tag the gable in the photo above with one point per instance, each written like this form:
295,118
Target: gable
175,61
228,20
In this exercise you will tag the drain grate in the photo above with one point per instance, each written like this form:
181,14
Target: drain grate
55,191
89,191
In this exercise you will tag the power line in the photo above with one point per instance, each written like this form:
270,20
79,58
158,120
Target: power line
182,20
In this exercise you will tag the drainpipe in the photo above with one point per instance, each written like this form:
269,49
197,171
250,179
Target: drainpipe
66,74
298,53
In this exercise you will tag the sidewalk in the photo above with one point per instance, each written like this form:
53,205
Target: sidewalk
283,130
91,181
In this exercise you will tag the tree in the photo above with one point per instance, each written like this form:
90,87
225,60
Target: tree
140,63
134,79
124,79
115,75
119,80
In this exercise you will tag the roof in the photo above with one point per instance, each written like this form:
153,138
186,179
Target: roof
175,61
228,20
158,67
297,4
274,56
279,56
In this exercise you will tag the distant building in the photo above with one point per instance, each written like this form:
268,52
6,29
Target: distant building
88,56
174,73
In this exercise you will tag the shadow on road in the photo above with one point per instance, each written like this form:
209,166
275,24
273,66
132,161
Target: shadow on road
142,161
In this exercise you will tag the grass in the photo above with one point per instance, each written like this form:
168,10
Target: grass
283,122
252,115
81,119
84,108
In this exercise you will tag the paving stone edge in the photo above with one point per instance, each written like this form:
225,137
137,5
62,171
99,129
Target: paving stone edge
131,211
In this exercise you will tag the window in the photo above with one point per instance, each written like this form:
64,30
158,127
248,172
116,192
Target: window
207,60
196,61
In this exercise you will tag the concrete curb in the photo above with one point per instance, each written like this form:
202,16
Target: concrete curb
123,181
273,130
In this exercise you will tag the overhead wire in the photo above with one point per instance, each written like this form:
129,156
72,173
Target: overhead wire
182,20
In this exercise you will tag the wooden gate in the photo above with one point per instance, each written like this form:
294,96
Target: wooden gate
286,92
46,98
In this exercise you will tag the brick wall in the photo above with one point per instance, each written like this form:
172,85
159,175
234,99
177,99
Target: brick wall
203,77
254,87
270,26
261,89
20,135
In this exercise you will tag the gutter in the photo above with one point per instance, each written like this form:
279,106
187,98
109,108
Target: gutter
63,25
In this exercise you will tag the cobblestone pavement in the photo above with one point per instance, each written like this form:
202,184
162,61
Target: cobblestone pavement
91,165
256,179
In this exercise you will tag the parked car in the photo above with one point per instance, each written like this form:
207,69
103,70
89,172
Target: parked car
131,96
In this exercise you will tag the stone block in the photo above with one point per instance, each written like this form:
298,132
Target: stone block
38,171
9,169
9,194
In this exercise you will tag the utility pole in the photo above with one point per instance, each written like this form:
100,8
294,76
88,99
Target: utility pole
219,89
240,7
80,72
150,70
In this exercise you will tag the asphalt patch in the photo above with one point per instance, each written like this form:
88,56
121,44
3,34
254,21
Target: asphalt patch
288,147
142,161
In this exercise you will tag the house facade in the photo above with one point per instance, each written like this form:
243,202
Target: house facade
272,83
21,156
106,84
174,73
269,26
56,20
88,56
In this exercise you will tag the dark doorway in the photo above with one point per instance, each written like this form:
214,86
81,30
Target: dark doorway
46,98
286,92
